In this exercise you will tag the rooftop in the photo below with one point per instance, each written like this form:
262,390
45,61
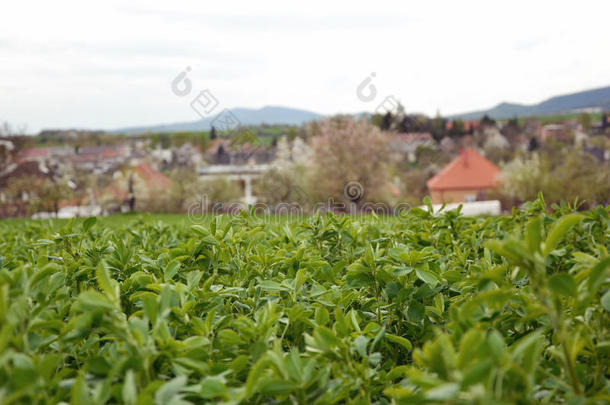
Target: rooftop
469,170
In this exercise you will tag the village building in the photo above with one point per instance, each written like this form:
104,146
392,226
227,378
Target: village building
494,139
469,177
100,159
556,132
406,144
448,145
141,183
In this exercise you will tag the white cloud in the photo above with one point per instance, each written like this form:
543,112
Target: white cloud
109,64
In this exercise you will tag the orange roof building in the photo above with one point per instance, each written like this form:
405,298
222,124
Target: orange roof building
147,183
469,177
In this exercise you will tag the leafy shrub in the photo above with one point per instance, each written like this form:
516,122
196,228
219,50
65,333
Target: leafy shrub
327,309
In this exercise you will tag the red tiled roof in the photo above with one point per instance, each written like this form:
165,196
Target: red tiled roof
468,125
153,178
467,171
32,153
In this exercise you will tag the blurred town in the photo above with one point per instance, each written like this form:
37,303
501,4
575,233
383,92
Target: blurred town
394,157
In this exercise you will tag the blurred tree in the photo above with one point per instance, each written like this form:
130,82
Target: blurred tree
49,194
438,127
20,194
377,120
386,122
350,151
213,134
487,120
283,185
218,193
414,185
457,128
245,136
585,121
182,188
165,140
524,178
560,174
534,144
292,134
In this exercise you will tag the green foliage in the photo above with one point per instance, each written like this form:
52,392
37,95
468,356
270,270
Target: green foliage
321,310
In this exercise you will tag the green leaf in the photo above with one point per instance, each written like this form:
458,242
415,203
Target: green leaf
44,273
428,204
563,284
229,337
322,316
427,277
80,392
169,392
497,346
360,343
106,284
213,387
444,392
325,338
130,391
359,275
416,312
400,341
274,286
88,223
94,300
598,274
171,270
559,229
533,234
392,289
477,373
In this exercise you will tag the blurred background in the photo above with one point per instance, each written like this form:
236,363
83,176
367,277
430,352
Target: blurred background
110,107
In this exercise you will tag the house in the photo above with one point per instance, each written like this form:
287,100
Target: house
186,155
555,132
407,143
448,145
33,155
494,139
225,152
581,139
18,185
468,177
99,159
138,183
6,154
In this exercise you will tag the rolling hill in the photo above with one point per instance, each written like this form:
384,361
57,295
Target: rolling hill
247,116
596,98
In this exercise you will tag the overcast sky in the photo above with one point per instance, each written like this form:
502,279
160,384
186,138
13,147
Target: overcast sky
108,64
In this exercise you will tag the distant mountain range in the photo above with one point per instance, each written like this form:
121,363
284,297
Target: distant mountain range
275,115
247,116
596,98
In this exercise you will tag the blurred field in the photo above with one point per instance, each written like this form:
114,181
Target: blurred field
113,221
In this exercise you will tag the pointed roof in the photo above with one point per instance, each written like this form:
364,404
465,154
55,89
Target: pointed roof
153,178
469,170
